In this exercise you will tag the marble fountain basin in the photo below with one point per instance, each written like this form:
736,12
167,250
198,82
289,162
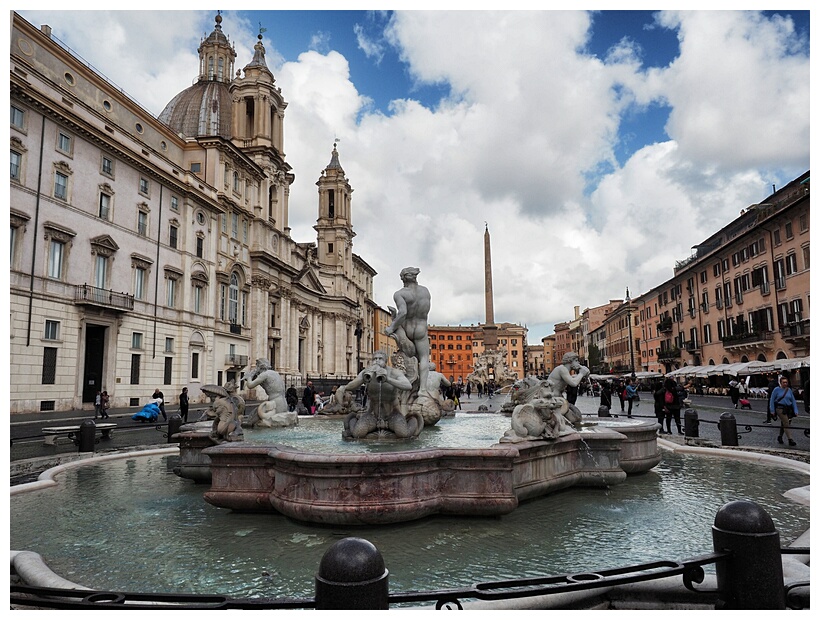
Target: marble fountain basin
407,484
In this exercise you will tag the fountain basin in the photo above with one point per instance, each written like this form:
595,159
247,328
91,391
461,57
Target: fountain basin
398,486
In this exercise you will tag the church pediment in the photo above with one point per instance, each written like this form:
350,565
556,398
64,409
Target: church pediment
310,280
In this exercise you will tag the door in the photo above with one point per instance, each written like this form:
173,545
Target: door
93,369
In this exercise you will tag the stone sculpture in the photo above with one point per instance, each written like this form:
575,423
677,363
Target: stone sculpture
409,326
227,411
383,417
497,361
431,403
562,376
272,412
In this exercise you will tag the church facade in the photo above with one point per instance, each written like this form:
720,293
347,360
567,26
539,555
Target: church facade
155,251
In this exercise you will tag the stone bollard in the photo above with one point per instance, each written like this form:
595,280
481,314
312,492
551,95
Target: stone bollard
174,424
728,429
88,435
352,575
752,578
690,423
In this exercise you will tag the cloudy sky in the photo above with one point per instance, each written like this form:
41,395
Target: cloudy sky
598,147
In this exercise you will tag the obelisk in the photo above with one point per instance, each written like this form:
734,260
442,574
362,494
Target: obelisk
490,330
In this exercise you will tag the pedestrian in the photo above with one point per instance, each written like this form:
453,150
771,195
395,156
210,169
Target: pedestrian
672,405
97,404
620,390
291,397
631,392
308,396
784,405
183,405
469,389
105,404
457,399
734,392
480,389
770,416
158,394
606,395
659,396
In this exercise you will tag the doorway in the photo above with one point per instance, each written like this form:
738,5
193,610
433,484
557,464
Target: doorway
93,368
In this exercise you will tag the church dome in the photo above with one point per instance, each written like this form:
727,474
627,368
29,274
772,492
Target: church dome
204,109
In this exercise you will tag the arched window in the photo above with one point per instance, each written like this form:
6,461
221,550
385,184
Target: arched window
210,67
221,68
233,299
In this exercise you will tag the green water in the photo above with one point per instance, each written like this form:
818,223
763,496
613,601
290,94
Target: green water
133,525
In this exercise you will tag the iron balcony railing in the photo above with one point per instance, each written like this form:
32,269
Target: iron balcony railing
91,295
798,329
746,338
236,360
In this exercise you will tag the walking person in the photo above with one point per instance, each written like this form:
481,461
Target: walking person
620,390
105,404
784,405
672,405
308,397
659,396
631,392
734,392
469,389
606,395
770,416
158,394
97,404
183,405
457,399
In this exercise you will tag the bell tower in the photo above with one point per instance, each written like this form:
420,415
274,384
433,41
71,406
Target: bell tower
334,227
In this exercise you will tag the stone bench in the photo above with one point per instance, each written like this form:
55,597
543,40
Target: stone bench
73,432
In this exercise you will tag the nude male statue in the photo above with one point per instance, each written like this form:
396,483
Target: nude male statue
409,326
270,381
561,377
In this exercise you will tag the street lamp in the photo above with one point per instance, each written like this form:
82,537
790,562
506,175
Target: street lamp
358,332
629,318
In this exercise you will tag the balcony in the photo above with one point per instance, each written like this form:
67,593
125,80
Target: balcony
665,325
797,333
236,328
668,354
759,339
92,296
691,347
239,361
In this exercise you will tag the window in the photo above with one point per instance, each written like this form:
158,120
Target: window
105,206
803,223
101,271
788,229
169,345
136,340
56,252
107,166
236,182
144,186
244,231
135,368
52,330
776,236
200,247
721,329
194,365
166,375
49,365
172,236
791,264
805,257
63,143
198,299
273,315
17,117
139,282
16,161
707,333
330,248
704,277
170,291
60,186
196,167
174,203
234,225
725,265
233,299
142,223
716,270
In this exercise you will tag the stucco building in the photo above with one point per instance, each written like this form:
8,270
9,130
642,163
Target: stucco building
155,251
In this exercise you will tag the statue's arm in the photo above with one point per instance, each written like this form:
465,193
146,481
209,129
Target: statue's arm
575,380
401,313
399,380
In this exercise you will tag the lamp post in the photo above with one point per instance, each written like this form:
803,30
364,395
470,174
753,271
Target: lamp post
358,332
629,318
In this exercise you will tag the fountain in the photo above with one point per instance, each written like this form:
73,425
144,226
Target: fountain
543,451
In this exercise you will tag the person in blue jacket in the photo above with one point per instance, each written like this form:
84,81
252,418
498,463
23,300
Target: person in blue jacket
784,405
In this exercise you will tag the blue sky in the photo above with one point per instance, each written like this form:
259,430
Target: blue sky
599,146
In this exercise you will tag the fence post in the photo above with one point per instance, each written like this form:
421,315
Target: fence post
728,429
352,575
752,577
87,436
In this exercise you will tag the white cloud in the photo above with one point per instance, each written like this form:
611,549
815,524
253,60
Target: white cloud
532,117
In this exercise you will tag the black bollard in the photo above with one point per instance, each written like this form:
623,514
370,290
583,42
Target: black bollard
88,434
352,575
174,424
728,429
690,423
603,412
752,578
